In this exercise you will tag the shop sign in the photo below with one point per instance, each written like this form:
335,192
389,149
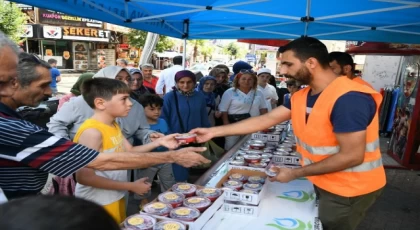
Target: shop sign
28,31
117,28
124,46
57,18
85,34
52,32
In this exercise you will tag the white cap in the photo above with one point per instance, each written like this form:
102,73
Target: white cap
263,70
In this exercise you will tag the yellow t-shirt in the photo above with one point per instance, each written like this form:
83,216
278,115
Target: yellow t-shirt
112,141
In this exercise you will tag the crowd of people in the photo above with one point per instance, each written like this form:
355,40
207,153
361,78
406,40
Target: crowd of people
121,122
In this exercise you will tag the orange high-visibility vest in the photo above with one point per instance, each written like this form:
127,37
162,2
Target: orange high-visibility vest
315,141
361,81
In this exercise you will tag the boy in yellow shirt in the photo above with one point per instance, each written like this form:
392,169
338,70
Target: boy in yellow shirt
109,99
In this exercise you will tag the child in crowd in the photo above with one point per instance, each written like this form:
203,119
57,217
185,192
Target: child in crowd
55,75
110,99
152,104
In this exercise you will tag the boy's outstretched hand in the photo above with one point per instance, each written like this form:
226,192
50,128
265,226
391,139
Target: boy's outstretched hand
155,136
203,134
169,141
141,186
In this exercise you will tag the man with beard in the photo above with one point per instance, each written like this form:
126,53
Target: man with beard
335,121
342,64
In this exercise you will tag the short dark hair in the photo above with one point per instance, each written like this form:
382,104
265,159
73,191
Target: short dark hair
308,47
26,68
177,60
52,61
54,212
151,100
342,59
102,88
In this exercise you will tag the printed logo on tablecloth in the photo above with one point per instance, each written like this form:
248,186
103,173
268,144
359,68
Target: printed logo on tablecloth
290,224
298,196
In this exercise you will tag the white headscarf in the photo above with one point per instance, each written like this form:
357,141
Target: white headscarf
110,72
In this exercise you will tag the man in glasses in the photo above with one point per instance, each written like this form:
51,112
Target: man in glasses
28,152
336,124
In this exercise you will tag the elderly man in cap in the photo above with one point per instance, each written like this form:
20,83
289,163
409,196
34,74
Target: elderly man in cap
269,92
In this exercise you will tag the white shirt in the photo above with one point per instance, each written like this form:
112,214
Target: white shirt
269,93
167,79
237,102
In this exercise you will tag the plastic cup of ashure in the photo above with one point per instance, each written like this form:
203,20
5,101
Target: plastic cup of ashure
200,203
184,188
169,225
252,158
186,138
185,214
256,179
158,208
211,193
139,221
258,165
237,177
173,198
253,186
233,184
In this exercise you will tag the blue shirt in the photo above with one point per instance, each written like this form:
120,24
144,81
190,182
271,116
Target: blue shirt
352,112
54,74
162,127
193,111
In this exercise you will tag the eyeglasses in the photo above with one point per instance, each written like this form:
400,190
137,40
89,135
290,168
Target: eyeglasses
246,71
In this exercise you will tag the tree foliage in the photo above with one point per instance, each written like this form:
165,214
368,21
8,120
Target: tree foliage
232,49
12,20
137,38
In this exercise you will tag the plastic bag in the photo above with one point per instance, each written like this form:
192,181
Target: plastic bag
213,153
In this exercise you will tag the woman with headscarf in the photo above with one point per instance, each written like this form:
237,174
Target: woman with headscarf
75,90
184,109
136,85
222,80
206,87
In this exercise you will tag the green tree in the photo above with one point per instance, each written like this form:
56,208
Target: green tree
12,20
137,38
232,49
206,51
197,46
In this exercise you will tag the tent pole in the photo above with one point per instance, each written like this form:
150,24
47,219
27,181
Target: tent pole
185,37
184,54
308,12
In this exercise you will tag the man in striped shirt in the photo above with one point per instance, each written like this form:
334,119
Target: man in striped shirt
28,152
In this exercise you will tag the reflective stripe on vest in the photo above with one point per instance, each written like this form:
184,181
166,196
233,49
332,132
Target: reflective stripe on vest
363,167
328,150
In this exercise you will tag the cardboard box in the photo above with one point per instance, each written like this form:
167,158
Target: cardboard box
273,143
291,160
246,168
199,223
266,137
240,209
241,196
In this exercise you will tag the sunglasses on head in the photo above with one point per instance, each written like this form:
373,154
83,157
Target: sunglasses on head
246,71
